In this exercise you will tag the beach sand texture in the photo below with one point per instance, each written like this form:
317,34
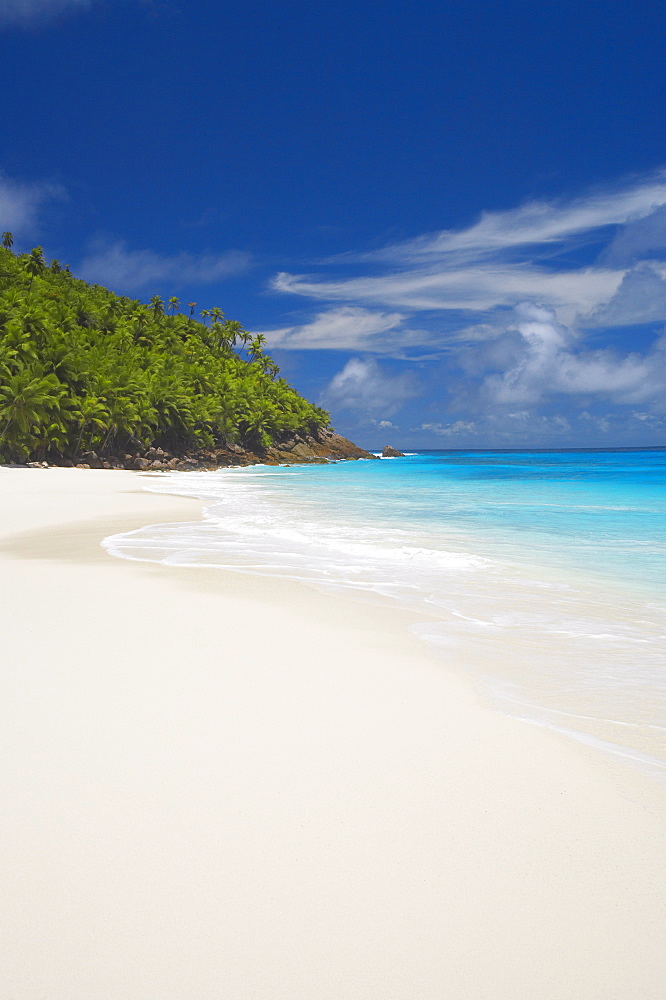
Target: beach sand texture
220,787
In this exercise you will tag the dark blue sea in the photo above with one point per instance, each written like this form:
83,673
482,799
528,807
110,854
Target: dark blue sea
541,574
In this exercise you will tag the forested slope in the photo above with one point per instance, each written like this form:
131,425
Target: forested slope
83,371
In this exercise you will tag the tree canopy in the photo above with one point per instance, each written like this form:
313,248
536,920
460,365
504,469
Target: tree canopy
82,368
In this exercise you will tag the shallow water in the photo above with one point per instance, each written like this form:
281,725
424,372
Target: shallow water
543,574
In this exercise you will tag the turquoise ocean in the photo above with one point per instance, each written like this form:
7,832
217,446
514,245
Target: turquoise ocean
540,574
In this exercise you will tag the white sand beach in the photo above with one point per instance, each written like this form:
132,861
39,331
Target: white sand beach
220,787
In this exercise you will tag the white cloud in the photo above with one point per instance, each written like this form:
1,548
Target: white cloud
505,305
647,418
25,13
501,260
504,429
130,270
20,203
538,223
550,364
524,424
363,386
450,430
620,422
480,288
640,298
344,328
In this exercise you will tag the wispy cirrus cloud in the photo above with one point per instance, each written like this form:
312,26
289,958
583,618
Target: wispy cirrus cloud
350,328
129,270
481,288
537,223
504,258
22,201
345,327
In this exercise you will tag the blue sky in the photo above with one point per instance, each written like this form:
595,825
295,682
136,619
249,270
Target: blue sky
449,220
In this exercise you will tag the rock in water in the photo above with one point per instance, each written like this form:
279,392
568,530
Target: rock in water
389,452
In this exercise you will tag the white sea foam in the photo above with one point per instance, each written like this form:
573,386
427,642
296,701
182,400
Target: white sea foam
546,644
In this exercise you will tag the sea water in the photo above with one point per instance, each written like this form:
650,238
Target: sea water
541,574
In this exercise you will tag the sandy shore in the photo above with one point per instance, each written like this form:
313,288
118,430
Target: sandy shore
216,787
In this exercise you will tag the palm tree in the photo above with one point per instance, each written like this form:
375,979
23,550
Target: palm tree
216,314
34,263
233,332
34,321
140,318
7,241
61,316
157,306
174,303
256,347
244,336
91,413
205,313
192,306
56,266
27,398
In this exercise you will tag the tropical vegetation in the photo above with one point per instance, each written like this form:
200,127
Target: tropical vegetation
82,368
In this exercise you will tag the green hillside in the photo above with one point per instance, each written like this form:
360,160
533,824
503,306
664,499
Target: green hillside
84,369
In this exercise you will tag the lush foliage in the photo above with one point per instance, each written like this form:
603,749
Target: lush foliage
82,368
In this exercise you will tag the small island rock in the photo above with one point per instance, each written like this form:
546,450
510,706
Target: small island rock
389,452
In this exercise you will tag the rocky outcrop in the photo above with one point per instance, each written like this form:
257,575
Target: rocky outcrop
389,452
301,449
326,446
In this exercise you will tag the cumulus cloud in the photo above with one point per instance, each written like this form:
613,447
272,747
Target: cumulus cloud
550,363
21,202
363,386
128,270
525,424
648,418
24,13
640,298
505,429
617,424
450,430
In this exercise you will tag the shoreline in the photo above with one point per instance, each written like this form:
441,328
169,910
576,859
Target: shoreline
251,525
219,783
